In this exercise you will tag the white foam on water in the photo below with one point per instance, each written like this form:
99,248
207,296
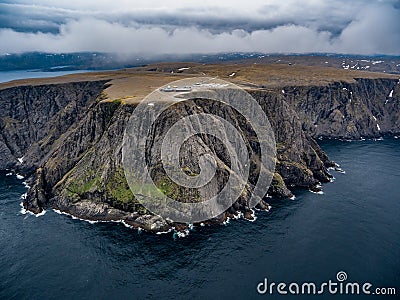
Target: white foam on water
26,185
318,193
340,170
181,234
226,222
163,232
19,176
293,197
76,218
40,214
202,224
238,216
253,215
24,211
9,174
125,224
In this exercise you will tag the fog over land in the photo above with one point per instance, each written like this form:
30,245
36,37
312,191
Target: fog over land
156,27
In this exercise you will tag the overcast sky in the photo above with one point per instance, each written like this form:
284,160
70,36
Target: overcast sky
151,27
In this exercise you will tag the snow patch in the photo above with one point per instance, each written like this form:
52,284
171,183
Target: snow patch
20,176
233,74
183,69
21,160
377,126
391,94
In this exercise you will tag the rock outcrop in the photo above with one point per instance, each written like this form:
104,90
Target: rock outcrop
67,138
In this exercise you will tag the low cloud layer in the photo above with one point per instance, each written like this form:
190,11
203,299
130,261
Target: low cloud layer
152,27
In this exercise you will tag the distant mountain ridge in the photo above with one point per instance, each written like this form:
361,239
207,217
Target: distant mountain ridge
105,61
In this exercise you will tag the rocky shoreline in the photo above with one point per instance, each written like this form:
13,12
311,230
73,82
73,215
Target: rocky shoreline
66,139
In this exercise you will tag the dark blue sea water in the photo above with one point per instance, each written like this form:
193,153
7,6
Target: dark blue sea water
353,227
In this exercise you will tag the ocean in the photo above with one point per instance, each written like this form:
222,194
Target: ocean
25,74
353,227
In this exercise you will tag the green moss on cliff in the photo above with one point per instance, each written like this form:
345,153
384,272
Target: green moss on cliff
82,187
277,181
117,187
168,188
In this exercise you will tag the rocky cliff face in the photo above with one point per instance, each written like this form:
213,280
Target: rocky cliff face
68,140
368,108
33,118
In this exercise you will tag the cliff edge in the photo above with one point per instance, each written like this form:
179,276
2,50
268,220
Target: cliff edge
66,137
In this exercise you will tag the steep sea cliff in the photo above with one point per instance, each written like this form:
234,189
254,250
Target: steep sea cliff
67,139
